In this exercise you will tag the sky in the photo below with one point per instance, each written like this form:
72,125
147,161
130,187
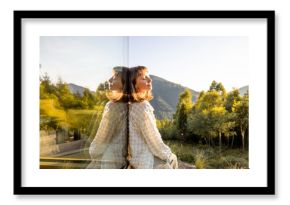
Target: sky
191,61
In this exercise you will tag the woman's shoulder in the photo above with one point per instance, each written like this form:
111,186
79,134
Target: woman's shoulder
115,106
141,106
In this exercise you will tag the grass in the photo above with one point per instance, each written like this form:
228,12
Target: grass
48,108
202,156
51,117
205,157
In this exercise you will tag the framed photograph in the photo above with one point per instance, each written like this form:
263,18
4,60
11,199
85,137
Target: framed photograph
144,102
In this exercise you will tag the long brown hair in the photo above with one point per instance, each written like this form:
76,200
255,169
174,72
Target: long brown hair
135,96
122,96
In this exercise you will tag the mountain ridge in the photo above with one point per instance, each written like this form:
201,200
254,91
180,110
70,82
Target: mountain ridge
165,93
166,96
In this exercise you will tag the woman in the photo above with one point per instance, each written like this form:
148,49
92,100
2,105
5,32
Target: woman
108,149
146,148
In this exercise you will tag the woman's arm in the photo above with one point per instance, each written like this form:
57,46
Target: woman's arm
147,124
106,130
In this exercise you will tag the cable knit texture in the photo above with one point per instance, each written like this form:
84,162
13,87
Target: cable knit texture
108,149
146,147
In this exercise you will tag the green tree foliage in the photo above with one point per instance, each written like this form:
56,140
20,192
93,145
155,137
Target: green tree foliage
61,109
85,120
166,128
216,118
100,96
51,115
66,98
218,87
209,117
208,100
88,99
221,123
232,98
47,89
241,110
200,125
182,110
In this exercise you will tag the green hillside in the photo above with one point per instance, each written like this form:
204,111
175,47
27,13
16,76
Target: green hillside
166,97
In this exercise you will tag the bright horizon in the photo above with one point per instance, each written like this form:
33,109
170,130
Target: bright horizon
193,62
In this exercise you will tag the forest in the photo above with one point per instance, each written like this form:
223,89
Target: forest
211,132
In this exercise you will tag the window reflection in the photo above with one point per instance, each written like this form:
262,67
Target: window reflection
82,135
108,149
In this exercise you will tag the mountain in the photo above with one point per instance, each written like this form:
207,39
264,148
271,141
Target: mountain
244,90
166,96
76,88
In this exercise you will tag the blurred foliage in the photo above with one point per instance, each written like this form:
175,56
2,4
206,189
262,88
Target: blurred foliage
75,112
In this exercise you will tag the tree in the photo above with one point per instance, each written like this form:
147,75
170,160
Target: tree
66,98
232,98
47,89
166,128
221,123
88,99
43,94
45,81
199,121
219,88
213,85
208,100
182,110
100,95
200,125
209,118
241,110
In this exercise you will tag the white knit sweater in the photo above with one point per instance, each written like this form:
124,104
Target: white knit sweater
146,148
108,150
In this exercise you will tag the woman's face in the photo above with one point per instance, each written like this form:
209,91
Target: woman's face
115,82
143,82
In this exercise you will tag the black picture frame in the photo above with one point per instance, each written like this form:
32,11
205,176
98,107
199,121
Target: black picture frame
268,190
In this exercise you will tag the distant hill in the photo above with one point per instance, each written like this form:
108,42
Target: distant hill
244,90
76,88
166,95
